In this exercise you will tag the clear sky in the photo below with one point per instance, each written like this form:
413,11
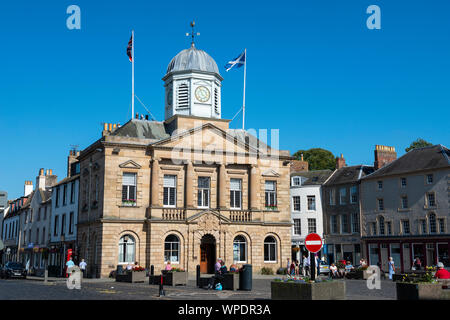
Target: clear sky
314,71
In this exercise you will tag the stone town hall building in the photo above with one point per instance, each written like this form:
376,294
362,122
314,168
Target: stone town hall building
187,190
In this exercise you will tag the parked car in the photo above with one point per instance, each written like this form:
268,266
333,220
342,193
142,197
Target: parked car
324,267
13,270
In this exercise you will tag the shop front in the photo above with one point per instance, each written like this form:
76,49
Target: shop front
404,252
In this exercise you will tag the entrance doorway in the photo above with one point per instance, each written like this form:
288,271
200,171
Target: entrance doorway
207,254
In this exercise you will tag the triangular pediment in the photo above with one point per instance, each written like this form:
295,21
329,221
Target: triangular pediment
206,137
200,216
130,164
270,173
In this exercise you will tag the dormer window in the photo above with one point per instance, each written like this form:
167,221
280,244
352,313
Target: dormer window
296,181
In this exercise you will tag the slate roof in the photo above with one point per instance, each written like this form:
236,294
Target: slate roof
419,159
142,129
67,179
350,174
315,177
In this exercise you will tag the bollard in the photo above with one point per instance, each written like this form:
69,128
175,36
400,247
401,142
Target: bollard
198,275
152,270
161,288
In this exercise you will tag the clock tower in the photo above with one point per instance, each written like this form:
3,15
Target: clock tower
192,85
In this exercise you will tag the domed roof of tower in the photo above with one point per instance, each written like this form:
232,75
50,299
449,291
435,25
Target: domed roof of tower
192,59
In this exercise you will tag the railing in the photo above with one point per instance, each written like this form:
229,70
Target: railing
173,214
244,216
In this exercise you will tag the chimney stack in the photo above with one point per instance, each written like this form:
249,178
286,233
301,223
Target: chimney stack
72,158
40,180
28,188
299,165
340,162
383,156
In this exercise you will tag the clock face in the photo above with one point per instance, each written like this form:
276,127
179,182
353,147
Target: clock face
202,94
169,97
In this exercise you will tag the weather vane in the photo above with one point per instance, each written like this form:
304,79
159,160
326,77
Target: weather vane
192,34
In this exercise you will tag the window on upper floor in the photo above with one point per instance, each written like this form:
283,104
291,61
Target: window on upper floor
296,181
43,235
65,194
37,235
334,224
431,200
57,197
312,225
355,222
432,222
405,226
354,194
403,182
441,225
39,214
423,224
311,203
270,194
56,226
203,192
380,185
235,193
45,212
72,192
380,204
430,178
389,227
63,224
296,203
404,202
297,227
344,223
342,196
182,96
169,197
332,197
129,188
381,225
374,228
71,222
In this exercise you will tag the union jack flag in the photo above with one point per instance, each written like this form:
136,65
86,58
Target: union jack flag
129,48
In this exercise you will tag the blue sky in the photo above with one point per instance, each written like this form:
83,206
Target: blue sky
314,71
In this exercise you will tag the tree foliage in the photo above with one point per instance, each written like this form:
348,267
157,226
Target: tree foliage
419,143
318,159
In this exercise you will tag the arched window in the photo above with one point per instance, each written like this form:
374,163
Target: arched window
240,249
270,249
172,249
381,224
127,249
432,222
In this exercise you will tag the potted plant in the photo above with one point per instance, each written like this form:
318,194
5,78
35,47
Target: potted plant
136,274
422,287
303,288
175,276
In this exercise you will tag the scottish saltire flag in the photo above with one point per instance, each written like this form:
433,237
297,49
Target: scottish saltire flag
238,62
129,48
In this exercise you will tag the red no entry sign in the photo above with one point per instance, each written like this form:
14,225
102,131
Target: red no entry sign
313,242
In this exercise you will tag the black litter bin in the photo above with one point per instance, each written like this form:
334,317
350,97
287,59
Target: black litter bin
245,277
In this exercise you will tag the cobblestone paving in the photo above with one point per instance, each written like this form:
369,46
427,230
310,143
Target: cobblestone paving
31,290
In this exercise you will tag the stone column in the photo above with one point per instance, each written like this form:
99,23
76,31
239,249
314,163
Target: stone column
254,186
189,182
155,183
222,187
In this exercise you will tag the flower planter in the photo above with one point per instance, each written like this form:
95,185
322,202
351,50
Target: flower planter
332,290
421,291
174,278
131,276
230,281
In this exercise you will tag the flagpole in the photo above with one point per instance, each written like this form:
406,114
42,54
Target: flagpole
132,74
243,103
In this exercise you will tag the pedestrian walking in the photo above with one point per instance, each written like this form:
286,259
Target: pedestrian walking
391,267
306,266
82,266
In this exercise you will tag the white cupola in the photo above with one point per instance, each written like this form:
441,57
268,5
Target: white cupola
193,84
